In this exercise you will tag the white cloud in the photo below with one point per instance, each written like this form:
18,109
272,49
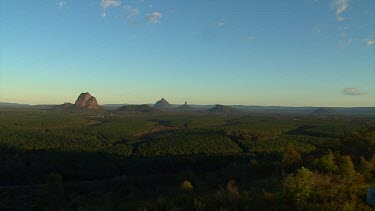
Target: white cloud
110,3
130,11
220,23
370,42
154,17
103,14
352,91
341,6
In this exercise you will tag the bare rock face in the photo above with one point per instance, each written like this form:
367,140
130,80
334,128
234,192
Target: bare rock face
86,101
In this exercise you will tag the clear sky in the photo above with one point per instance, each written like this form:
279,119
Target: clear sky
251,52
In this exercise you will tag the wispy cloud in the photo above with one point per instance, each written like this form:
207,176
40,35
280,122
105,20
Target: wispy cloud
61,4
110,3
130,11
370,42
340,6
154,17
220,23
352,91
340,18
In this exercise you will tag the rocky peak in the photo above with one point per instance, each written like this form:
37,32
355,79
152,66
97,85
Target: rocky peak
162,104
86,101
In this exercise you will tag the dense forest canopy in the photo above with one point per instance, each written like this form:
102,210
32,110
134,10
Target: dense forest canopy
162,161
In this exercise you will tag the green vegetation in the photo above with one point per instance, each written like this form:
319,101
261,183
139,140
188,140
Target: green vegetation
180,161
188,143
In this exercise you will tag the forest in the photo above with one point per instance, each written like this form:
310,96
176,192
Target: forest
52,160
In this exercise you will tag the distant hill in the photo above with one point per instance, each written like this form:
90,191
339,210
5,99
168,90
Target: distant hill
137,108
325,112
162,104
43,107
65,106
184,107
221,109
112,106
13,105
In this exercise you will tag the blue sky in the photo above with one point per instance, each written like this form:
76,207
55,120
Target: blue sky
251,52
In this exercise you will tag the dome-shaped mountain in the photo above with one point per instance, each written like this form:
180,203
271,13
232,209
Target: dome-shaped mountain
136,108
86,101
223,109
162,104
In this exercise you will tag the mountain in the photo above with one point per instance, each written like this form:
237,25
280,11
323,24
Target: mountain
43,107
86,101
325,112
162,104
65,106
112,106
184,107
223,109
137,108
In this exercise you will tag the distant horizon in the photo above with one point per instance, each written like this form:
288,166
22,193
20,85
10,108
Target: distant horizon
197,104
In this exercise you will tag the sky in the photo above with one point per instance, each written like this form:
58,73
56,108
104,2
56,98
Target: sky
249,52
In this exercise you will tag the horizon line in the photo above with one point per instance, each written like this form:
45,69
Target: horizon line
253,105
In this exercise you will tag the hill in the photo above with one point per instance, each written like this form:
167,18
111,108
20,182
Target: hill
137,108
184,107
13,105
64,106
223,109
162,104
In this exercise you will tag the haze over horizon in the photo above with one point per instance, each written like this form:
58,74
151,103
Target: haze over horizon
281,53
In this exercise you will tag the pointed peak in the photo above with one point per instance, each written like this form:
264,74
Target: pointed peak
162,104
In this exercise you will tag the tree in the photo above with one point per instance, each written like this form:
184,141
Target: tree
365,168
347,170
187,186
298,188
291,158
326,163
372,161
